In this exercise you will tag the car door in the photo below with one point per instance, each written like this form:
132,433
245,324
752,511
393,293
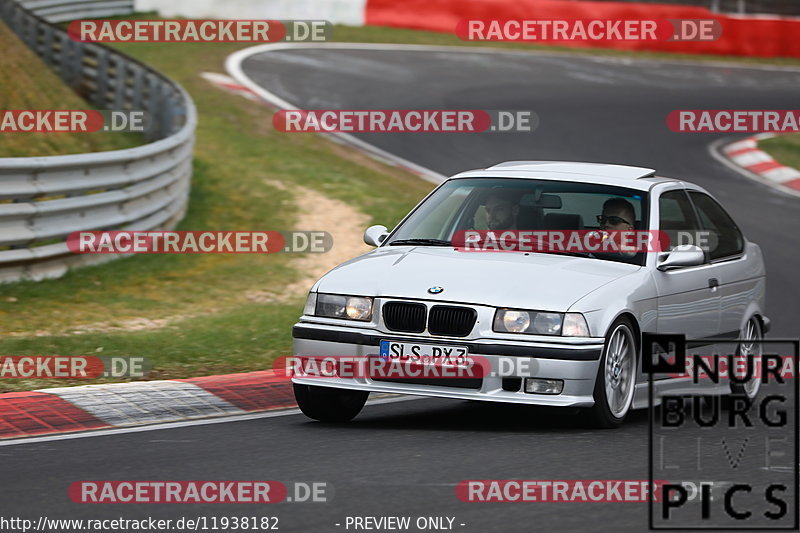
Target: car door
688,300
737,286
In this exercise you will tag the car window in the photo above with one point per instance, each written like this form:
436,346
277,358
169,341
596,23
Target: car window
677,218
583,205
441,212
726,239
497,204
589,206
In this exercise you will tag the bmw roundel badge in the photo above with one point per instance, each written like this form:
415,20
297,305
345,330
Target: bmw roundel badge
436,290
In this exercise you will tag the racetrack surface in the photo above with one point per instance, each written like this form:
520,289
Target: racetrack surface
406,458
596,109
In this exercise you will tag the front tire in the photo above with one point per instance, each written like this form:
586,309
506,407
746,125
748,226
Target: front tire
752,332
616,377
328,404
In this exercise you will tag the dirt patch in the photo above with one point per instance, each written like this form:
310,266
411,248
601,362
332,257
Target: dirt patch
316,212
110,326
319,212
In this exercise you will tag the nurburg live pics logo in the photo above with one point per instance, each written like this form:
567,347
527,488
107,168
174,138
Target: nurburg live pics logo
738,454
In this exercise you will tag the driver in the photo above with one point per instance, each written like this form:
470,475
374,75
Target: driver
502,209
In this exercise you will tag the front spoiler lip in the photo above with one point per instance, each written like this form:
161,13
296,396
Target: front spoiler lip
454,394
566,353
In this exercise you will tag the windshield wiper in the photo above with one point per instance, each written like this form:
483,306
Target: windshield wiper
570,253
421,242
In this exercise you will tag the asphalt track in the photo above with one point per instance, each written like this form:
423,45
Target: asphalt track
406,458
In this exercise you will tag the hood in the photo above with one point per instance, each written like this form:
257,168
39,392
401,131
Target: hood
545,282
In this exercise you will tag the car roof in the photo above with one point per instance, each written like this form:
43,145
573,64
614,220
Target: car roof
619,175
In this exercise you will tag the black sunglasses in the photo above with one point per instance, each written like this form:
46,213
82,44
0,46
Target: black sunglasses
612,219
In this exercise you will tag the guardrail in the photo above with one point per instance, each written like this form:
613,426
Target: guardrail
44,199
63,10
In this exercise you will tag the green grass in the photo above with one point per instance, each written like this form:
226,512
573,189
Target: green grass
243,339
215,328
236,154
784,149
27,83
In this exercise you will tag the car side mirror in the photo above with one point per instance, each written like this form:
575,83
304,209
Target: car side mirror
685,255
375,235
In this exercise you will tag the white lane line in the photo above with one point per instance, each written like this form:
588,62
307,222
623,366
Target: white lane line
487,50
186,423
233,64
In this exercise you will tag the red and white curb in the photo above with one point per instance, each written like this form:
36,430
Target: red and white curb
230,85
88,407
746,155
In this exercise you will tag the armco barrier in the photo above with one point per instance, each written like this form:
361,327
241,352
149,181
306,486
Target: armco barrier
741,36
349,12
43,199
63,10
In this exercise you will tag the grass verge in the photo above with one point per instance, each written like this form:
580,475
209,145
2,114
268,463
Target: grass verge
28,83
212,326
784,149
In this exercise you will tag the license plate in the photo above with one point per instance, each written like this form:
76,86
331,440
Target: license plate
423,353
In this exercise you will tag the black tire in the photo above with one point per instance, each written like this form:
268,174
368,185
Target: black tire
601,415
328,404
752,331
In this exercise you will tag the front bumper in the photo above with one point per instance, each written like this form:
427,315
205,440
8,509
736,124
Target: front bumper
575,364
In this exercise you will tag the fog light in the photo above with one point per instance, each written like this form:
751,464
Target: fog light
544,386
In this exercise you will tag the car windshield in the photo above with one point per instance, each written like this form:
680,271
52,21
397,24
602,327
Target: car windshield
499,204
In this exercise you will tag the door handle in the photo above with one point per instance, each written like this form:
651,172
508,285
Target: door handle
713,283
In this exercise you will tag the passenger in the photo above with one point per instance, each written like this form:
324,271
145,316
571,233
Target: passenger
619,216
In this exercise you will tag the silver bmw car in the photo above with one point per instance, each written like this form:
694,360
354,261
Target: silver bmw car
570,321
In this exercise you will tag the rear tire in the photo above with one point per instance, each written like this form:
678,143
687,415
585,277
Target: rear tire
616,377
328,404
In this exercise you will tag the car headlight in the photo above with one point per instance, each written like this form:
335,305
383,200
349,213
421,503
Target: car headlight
513,321
540,323
339,306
